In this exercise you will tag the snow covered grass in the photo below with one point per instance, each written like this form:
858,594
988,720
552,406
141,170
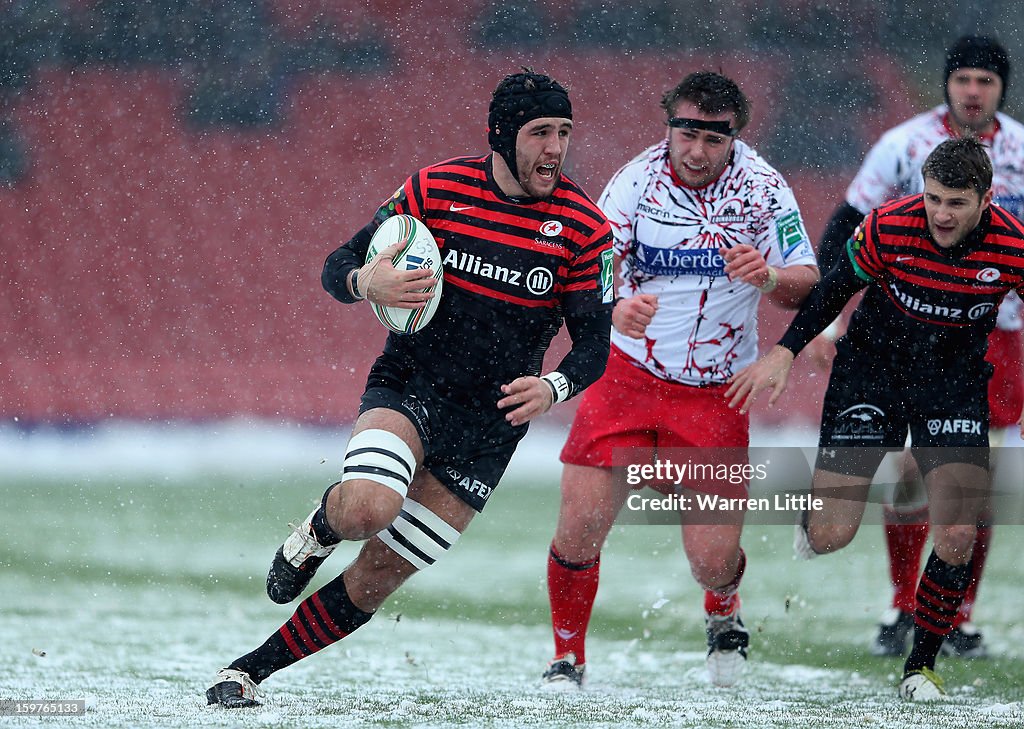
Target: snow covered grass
128,588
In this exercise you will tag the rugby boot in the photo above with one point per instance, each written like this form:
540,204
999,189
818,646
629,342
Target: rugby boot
922,685
233,690
965,641
894,632
727,648
296,561
563,674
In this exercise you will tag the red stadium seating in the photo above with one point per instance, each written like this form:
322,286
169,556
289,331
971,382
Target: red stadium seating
153,270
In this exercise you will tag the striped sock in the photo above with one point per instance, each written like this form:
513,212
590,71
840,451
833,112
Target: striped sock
323,618
571,591
939,595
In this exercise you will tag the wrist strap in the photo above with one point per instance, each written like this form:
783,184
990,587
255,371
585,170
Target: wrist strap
771,283
831,332
354,285
560,386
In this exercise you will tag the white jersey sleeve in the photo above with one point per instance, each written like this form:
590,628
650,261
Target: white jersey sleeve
892,167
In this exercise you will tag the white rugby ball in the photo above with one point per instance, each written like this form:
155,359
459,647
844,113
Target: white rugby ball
419,251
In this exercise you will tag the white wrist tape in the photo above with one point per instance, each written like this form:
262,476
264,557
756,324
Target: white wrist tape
771,283
559,385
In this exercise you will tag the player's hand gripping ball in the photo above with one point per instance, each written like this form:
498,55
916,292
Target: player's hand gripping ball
419,251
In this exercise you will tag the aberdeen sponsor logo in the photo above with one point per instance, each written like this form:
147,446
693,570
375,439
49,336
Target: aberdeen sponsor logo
679,262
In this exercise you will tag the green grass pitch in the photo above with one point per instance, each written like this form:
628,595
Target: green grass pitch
130,592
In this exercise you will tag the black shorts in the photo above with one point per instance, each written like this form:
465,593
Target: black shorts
870,406
467,446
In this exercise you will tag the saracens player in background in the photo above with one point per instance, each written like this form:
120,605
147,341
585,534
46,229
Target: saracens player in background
936,266
444,408
703,228
976,76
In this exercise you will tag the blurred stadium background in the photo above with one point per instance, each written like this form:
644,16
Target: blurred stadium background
174,172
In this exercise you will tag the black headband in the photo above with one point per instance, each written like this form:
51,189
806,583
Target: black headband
718,127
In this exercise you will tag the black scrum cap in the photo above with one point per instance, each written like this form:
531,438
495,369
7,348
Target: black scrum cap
978,51
520,98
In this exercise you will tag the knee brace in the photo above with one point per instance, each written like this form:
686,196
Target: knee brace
419,535
380,456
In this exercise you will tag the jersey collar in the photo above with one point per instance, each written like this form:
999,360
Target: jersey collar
986,138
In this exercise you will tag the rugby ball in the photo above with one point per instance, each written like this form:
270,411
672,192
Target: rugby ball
419,250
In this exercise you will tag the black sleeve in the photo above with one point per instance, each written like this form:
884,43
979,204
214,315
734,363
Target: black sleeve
591,342
838,230
339,264
823,304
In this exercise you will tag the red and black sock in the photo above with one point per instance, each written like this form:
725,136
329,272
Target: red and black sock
905,542
323,618
571,591
939,595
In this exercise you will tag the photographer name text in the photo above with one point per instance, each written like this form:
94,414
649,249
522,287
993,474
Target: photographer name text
713,502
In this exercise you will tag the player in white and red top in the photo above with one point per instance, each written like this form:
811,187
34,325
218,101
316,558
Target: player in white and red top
976,74
703,227
668,237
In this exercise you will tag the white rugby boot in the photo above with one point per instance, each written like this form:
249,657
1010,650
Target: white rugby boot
727,648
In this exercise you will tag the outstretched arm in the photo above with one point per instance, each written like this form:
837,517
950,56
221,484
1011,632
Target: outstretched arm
825,301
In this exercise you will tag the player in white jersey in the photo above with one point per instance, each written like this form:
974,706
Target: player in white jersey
703,228
668,238
976,74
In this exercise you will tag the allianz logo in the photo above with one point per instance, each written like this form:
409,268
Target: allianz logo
537,281
950,312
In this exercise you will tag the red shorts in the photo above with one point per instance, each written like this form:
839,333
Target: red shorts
1006,388
628,408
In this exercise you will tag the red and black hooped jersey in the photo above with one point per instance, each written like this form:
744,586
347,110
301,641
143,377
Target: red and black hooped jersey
513,268
937,301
